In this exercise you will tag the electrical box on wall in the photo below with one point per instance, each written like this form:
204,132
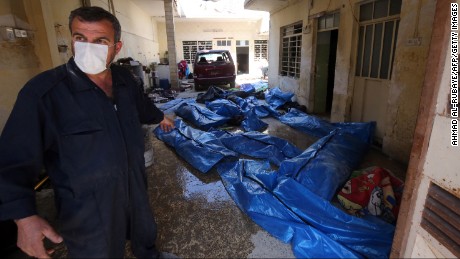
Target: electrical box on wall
20,33
7,34
11,34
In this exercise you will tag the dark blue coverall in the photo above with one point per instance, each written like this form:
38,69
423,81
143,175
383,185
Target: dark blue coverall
92,148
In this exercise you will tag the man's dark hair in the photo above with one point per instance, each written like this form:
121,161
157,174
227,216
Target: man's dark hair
94,14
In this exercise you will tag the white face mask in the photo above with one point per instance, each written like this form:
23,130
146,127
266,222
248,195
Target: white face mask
91,58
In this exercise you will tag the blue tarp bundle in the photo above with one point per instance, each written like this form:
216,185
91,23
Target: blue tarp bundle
293,202
326,165
171,106
199,116
211,94
224,108
276,98
262,146
252,122
245,104
251,102
263,111
317,127
254,87
284,206
219,113
200,149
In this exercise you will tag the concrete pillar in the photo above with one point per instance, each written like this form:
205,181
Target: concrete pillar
169,18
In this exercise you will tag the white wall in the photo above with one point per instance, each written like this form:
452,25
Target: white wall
441,167
190,30
138,31
301,86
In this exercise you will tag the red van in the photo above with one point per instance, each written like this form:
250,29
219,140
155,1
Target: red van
213,67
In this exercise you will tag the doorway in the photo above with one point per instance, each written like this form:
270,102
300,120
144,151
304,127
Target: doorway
326,52
242,60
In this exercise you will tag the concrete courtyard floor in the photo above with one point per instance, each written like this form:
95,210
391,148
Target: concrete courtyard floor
196,217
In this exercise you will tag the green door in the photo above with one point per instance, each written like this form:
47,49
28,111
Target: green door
326,48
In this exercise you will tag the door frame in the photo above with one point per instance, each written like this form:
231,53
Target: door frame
426,115
315,30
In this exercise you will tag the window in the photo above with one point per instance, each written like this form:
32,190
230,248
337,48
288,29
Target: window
191,47
378,29
224,43
328,22
260,50
291,37
242,43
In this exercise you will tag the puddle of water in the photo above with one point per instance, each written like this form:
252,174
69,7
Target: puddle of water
212,192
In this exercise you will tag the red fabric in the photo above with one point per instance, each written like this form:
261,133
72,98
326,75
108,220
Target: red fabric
373,191
182,68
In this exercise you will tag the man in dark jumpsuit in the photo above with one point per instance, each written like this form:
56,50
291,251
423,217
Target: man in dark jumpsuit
84,129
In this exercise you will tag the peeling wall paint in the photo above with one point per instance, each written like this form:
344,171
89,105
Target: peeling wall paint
408,75
20,58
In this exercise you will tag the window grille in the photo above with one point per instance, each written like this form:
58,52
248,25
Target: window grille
291,37
191,47
260,50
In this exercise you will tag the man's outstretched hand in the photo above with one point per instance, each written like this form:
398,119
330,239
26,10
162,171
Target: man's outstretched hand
31,232
167,124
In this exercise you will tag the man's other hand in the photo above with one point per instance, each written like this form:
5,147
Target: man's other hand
166,124
31,232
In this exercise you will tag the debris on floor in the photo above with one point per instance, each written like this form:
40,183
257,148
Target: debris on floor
287,191
160,95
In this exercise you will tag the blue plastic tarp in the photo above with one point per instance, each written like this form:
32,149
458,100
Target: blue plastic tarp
261,146
292,203
199,116
276,98
251,102
224,108
326,165
171,106
369,238
229,109
245,104
252,122
213,93
317,127
249,184
263,111
200,149
287,208
254,87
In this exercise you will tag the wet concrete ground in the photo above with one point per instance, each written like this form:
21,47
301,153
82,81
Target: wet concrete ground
195,215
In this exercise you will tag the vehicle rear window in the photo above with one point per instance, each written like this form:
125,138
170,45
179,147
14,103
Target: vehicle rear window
213,57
